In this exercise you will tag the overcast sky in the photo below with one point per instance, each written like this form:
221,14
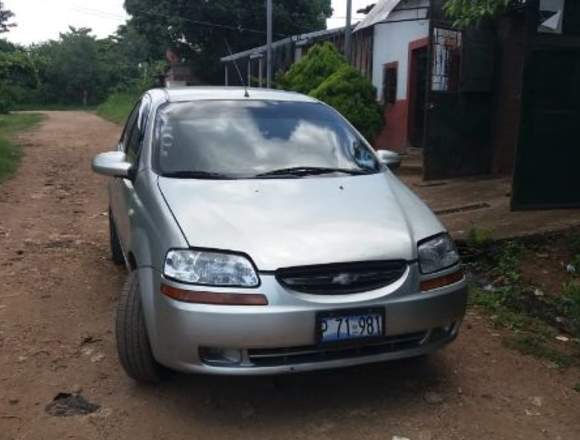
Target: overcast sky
40,20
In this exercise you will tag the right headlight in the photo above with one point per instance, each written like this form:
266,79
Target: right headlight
437,253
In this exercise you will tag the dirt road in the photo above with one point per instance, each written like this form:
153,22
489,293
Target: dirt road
56,320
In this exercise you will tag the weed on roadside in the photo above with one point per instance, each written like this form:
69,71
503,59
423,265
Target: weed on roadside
479,237
505,307
10,152
537,346
571,303
576,263
577,387
508,263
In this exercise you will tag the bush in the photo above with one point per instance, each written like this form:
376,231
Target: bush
326,75
321,61
6,104
354,97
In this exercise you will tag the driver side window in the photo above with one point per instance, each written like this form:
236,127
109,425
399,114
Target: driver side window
129,126
135,130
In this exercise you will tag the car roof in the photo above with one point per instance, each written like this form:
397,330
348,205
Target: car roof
196,93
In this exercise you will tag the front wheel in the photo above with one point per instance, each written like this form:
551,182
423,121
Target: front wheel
133,344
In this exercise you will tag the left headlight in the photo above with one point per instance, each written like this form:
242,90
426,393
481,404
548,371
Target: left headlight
210,268
437,253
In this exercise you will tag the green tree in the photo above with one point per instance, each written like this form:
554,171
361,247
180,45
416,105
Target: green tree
18,78
5,16
467,12
199,29
68,67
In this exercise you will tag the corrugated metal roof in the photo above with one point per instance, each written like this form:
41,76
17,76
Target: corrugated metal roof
293,39
379,13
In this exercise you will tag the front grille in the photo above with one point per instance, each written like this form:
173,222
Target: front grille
341,278
270,357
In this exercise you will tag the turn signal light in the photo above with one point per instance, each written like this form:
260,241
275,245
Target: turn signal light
225,299
445,280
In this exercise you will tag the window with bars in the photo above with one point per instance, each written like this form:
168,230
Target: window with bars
446,59
390,72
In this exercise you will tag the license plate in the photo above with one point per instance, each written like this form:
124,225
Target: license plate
350,325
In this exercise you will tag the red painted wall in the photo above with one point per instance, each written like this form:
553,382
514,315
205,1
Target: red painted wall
394,134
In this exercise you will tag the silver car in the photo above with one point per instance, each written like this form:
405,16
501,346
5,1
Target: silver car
264,235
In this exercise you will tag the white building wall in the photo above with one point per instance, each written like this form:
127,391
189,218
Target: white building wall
391,43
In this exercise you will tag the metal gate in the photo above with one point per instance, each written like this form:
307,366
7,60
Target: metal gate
547,166
459,103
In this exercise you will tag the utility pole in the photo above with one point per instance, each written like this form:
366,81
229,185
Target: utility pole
269,44
348,32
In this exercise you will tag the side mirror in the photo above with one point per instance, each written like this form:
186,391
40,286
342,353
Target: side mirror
389,158
113,163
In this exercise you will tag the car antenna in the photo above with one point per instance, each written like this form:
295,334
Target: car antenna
246,94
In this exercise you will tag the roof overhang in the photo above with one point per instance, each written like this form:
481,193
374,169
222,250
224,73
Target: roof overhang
379,13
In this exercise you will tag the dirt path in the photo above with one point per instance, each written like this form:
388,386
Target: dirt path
56,320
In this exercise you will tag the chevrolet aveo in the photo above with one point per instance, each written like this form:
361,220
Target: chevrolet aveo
264,235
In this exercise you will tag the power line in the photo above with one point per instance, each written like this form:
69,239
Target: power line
100,15
241,29
107,14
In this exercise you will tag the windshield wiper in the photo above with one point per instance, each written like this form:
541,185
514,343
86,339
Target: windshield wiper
310,171
197,175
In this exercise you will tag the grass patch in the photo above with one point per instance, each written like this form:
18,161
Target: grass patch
55,107
512,302
502,306
537,347
574,241
571,302
117,107
10,152
577,387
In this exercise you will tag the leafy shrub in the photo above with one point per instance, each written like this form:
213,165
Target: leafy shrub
354,97
326,75
321,61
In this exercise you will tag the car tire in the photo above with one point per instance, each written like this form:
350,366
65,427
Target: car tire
116,251
133,346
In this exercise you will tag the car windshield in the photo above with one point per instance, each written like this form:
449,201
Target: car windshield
248,139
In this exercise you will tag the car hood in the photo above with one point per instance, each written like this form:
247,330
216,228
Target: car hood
306,221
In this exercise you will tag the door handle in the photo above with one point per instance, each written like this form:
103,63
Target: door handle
430,106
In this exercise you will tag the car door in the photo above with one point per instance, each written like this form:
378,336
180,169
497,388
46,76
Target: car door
125,198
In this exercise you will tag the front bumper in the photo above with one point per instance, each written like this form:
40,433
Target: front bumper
280,337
